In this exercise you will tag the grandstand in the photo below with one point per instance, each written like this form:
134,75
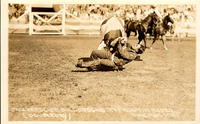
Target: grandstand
86,18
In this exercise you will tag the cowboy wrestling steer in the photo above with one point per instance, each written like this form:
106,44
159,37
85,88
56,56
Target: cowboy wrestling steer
121,54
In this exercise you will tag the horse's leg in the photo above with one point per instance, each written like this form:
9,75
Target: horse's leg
135,33
128,33
163,39
154,39
140,38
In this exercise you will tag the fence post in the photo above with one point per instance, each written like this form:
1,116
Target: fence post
30,20
63,20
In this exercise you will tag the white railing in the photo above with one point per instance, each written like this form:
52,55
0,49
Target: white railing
47,27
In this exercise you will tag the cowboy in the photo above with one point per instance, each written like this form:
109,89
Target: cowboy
119,54
154,9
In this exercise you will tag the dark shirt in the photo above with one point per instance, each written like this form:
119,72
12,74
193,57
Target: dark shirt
124,55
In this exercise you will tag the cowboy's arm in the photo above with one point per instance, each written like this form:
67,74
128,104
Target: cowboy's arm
126,54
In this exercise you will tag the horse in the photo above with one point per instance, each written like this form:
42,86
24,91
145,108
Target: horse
131,26
144,26
111,28
162,28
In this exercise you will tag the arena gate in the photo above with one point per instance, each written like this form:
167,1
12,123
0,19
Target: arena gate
52,22
47,22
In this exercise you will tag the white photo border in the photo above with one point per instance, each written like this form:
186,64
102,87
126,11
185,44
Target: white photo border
4,55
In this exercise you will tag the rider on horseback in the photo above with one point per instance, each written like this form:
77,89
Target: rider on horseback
152,26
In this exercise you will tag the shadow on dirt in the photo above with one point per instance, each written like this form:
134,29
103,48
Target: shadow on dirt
96,70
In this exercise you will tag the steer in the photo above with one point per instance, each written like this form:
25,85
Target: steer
111,29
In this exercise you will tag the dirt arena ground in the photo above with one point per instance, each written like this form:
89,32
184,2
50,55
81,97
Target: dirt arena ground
44,83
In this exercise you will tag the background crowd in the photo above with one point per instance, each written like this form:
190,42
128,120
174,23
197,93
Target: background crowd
102,11
184,15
